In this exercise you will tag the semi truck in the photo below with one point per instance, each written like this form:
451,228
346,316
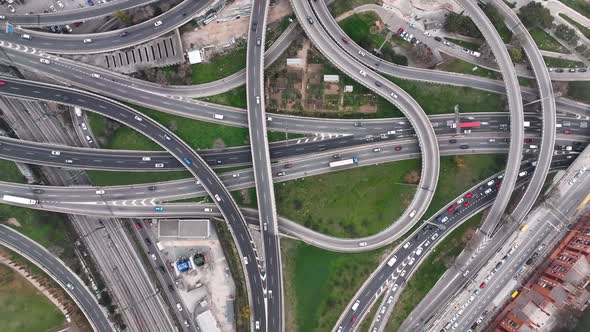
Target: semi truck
345,162
19,200
472,124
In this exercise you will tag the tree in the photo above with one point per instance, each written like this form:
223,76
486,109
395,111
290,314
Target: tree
122,16
462,25
516,54
566,33
534,14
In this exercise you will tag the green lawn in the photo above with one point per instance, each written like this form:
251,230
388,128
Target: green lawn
360,28
579,91
464,67
584,30
562,63
342,6
234,98
22,307
319,283
581,6
469,45
545,41
360,201
430,271
220,66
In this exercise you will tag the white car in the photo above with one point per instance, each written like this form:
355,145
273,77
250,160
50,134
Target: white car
363,73
257,325
235,175
45,61
69,161
363,244
153,256
159,165
217,198
138,118
167,137
460,200
53,8
257,100
362,53
157,24
83,125
12,10
208,210
403,273
87,41
390,299
55,153
394,95
179,306
70,286
95,75
428,34
245,260
60,4
146,158
100,192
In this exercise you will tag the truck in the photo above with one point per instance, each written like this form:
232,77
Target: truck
471,124
392,260
78,111
527,124
345,162
19,200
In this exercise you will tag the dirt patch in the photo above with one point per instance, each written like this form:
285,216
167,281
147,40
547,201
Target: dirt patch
246,199
12,221
413,177
218,143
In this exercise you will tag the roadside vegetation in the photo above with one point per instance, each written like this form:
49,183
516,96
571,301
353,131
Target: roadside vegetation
467,44
583,29
365,200
23,307
340,7
545,41
220,66
433,267
464,67
581,6
562,63
578,90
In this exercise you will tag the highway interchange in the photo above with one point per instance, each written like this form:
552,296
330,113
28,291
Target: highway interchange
323,31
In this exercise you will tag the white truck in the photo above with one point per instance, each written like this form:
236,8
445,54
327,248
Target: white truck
345,162
527,124
19,200
78,111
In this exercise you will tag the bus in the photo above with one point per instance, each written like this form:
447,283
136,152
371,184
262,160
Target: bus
472,124
345,162
19,200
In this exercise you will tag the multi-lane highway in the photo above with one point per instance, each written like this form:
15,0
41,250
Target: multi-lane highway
70,14
58,271
180,150
265,195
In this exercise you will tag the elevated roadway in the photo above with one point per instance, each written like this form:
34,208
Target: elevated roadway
163,137
57,270
71,15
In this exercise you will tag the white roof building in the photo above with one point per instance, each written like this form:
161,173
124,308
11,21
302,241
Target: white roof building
194,56
207,322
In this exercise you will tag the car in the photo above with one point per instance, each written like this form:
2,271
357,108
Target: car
2,83
397,148
89,139
123,34
245,260
45,61
257,325
444,220
451,208
257,99
383,309
138,118
100,192
358,124
2,17
159,165
179,306
390,299
464,146
438,39
572,70
452,141
363,244
523,173
158,209
158,23
70,286
567,132
345,40
378,84
403,273
412,214
362,53
483,285
282,173
337,156
310,20
187,161
406,245
167,137
186,323
488,191
376,149
217,197
149,243
87,41
399,31
363,73
52,8
153,256
138,226
68,28
69,161
235,175
460,200
428,34
83,125
55,153
152,188
208,209
38,191
289,165
434,236
258,41
498,185
466,204
559,70
60,4
95,75
254,26
469,195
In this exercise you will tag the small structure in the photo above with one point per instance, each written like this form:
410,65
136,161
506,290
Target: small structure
207,322
348,88
294,62
332,78
179,229
183,265
194,56
198,259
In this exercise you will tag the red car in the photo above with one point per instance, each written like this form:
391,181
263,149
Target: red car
2,83
398,148
469,195
483,285
498,185
466,204
528,140
568,132
138,226
345,40
288,165
399,31
451,208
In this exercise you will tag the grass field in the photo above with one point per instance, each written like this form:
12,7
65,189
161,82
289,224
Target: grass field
581,6
342,6
430,271
579,90
319,283
584,30
562,63
234,98
358,28
545,41
220,66
464,67
359,201
22,307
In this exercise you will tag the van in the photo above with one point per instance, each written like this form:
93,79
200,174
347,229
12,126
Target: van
218,116
412,214
392,260
26,36
356,305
